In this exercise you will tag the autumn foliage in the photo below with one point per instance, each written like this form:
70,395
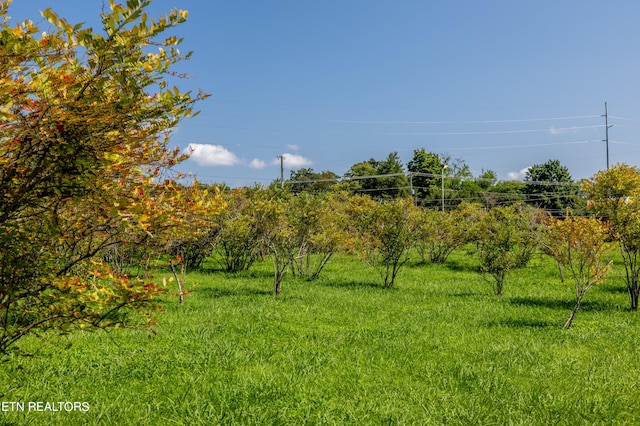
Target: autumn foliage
613,194
84,125
580,245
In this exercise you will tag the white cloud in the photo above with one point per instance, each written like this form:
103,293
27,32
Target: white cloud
518,175
212,155
293,147
293,161
256,163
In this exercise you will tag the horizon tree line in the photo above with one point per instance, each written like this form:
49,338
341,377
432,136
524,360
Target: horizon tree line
432,179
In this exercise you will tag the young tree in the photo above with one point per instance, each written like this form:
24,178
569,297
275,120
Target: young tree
579,244
614,194
83,145
236,236
504,238
438,233
276,232
384,235
303,215
321,224
432,233
192,244
530,221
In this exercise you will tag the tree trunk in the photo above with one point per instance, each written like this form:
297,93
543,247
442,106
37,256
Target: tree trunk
499,276
634,292
279,269
573,314
180,289
561,269
277,282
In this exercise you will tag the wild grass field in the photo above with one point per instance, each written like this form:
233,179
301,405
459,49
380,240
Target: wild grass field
438,348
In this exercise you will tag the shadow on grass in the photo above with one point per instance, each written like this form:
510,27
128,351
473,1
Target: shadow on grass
457,266
471,294
615,289
450,264
558,304
542,302
240,275
353,284
215,293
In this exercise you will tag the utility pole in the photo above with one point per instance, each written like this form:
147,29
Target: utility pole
606,130
281,158
442,179
411,192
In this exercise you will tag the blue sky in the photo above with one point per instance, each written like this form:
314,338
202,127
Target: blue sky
499,84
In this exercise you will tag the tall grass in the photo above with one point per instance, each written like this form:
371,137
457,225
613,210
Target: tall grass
439,348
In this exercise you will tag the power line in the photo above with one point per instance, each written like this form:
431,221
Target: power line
539,145
523,120
498,132
606,129
373,133
431,175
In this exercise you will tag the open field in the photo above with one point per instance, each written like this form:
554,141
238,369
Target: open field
439,348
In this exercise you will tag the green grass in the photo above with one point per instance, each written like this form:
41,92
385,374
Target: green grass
439,348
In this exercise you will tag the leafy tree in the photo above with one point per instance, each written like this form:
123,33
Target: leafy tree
579,244
83,147
438,233
466,190
470,217
426,169
306,180
235,237
487,179
432,234
613,194
384,234
303,216
277,234
192,244
504,192
505,242
530,222
358,176
321,225
397,184
550,186
390,180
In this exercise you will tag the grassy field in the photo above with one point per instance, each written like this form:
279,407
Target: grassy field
439,348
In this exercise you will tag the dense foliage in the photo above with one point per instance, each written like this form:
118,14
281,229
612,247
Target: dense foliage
579,244
613,194
84,128
550,186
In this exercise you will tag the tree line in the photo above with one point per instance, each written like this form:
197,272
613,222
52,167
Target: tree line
432,179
